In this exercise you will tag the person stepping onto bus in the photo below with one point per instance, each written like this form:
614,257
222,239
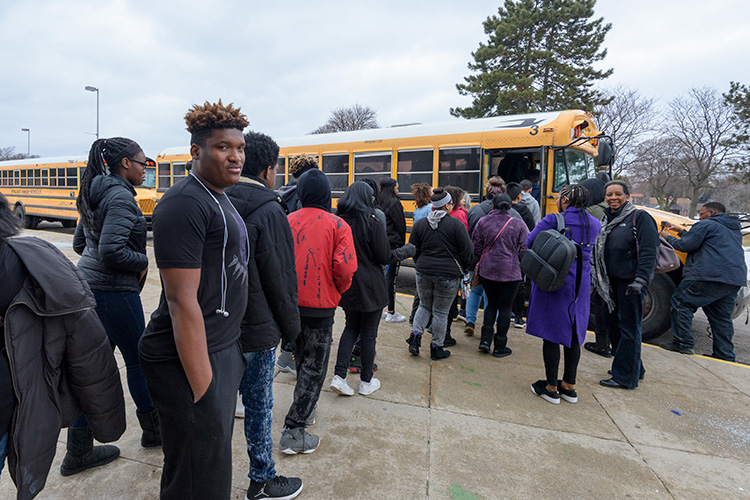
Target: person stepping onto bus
326,260
190,351
111,239
272,313
443,253
559,317
395,226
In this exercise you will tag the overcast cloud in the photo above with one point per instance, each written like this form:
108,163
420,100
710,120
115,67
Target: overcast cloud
287,64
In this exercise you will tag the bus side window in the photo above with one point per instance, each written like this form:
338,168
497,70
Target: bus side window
336,168
23,177
375,165
179,172
165,180
414,167
280,172
460,167
45,177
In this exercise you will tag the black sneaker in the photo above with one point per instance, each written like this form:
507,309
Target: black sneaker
437,353
449,341
280,488
605,352
519,322
355,365
569,395
540,389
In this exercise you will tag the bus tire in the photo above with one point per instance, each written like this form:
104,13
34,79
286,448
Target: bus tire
656,307
20,214
68,223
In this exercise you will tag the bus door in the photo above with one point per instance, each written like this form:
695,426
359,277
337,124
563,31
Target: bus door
515,165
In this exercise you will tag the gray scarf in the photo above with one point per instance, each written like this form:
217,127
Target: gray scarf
434,217
599,276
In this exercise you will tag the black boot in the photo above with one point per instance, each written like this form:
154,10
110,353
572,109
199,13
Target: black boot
501,350
449,341
82,454
151,437
438,353
484,342
415,342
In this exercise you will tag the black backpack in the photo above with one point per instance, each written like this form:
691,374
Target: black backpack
548,260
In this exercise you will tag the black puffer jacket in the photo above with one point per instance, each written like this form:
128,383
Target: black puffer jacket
61,362
431,255
113,251
369,291
395,222
272,311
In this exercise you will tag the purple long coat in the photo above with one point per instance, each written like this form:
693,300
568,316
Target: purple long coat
548,311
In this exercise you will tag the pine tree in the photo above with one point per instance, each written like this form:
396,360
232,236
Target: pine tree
539,57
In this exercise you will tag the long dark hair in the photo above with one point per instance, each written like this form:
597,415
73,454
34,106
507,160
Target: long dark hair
387,192
105,154
357,201
579,197
9,225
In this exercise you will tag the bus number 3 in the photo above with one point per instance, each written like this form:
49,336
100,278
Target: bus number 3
534,130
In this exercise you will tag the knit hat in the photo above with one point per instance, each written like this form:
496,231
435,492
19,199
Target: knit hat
440,199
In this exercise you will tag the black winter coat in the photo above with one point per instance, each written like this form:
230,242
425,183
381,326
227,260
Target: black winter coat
369,291
432,257
395,222
272,311
61,364
623,262
113,251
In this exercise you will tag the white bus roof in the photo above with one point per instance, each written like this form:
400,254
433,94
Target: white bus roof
45,161
458,126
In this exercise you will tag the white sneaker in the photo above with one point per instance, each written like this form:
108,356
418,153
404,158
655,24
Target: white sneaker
384,315
396,317
239,410
367,388
339,386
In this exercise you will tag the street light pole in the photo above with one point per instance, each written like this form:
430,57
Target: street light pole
28,141
95,89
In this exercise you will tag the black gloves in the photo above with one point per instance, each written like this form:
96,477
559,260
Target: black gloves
636,287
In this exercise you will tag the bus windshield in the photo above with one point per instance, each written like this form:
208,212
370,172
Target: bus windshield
150,181
580,166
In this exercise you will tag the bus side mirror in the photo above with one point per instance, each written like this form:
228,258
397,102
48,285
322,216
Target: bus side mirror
605,152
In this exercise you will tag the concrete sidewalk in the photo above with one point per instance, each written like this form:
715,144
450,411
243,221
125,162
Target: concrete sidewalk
470,428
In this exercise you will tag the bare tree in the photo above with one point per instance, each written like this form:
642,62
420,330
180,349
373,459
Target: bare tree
629,117
701,124
656,171
9,153
357,117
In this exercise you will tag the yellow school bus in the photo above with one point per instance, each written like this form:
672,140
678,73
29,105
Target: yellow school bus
558,148
46,189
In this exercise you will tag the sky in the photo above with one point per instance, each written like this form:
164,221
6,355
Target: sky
288,64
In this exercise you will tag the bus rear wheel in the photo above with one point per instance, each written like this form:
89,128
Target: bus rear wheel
656,307
26,221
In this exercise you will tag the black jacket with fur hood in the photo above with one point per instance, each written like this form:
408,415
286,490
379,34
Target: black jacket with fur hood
61,364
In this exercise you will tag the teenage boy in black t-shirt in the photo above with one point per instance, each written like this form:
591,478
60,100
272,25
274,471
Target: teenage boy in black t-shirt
190,353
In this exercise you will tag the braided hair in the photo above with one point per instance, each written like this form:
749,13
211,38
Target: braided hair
105,157
578,197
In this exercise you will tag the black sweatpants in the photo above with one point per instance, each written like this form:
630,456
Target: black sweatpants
196,437
360,327
311,353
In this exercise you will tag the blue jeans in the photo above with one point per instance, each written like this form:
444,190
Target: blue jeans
257,397
436,294
472,303
3,450
717,301
121,313
624,328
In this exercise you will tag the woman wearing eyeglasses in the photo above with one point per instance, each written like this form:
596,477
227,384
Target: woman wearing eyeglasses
111,239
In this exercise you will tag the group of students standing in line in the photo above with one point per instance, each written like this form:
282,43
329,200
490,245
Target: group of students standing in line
242,269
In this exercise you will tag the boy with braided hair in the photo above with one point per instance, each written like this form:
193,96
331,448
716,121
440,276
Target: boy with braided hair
190,353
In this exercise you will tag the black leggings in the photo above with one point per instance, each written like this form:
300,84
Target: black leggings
390,277
551,353
361,327
500,296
